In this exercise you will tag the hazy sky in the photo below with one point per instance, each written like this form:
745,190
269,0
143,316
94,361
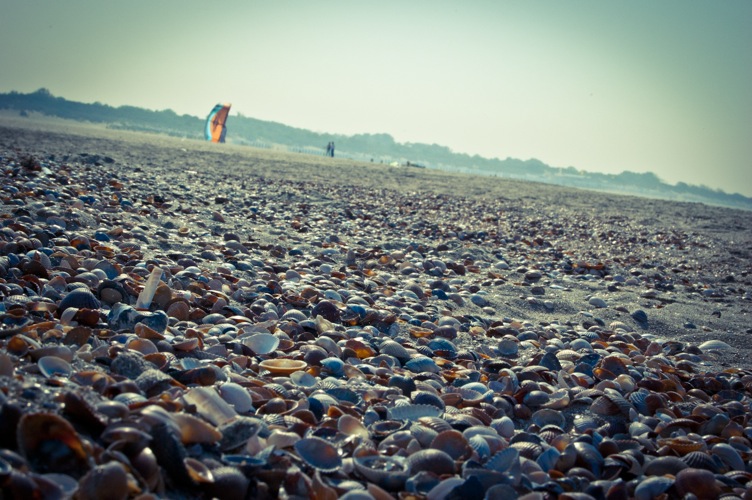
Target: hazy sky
608,86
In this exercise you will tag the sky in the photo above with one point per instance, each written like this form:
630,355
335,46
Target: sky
603,86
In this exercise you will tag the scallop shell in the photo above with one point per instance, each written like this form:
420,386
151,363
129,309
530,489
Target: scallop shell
319,454
422,364
81,299
506,460
413,412
395,349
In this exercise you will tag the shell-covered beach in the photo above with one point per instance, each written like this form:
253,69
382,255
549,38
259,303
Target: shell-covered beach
191,320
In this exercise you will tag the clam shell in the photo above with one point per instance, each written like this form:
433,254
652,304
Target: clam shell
546,416
51,366
319,454
283,366
262,343
388,472
431,460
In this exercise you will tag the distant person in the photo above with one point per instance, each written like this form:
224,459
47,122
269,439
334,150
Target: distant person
331,151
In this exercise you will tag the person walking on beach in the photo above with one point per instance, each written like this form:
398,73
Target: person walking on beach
331,149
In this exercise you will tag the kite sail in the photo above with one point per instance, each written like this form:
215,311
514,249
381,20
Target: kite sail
215,129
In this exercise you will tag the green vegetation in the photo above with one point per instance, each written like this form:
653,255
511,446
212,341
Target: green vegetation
373,147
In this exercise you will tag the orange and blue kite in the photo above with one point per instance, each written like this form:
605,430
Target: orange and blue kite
215,128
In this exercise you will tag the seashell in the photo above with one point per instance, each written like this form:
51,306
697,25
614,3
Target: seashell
697,482
388,472
588,457
405,383
261,343
283,366
319,454
504,426
480,445
383,428
714,345
729,455
428,398
51,366
682,444
80,299
653,487
546,416
237,396
210,405
661,466
51,444
453,443
351,426
108,480
303,379
282,439
702,460
506,461
228,482
195,430
527,449
111,292
125,317
422,364
430,460
413,412
392,348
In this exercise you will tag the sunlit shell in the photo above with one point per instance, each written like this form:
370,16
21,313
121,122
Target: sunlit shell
714,345
282,439
261,343
283,366
51,366
682,445
236,395
319,454
351,426
198,471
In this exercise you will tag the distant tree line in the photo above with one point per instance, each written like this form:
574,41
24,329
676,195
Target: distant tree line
245,130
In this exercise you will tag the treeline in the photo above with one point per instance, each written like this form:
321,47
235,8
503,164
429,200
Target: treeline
377,147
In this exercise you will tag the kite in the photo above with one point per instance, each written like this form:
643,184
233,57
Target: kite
215,129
